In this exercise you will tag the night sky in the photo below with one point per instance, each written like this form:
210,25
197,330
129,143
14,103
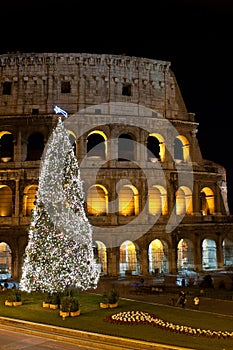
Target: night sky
194,35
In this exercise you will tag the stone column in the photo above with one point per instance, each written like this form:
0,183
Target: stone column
197,253
219,252
172,254
196,199
143,260
113,261
217,201
16,213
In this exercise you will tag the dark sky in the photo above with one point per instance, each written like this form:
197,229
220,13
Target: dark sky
194,35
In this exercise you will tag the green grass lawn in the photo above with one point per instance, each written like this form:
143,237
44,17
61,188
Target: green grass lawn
93,319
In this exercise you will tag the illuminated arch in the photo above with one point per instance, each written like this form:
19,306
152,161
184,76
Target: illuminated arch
207,201
181,149
128,201
129,258
72,138
209,257
5,259
5,200
157,200
184,203
97,144
29,197
97,200
6,146
185,255
157,149
158,257
227,250
101,257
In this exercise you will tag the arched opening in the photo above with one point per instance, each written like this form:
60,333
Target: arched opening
181,149
35,146
184,203
5,201
96,145
6,146
5,261
128,259
29,198
97,200
157,201
72,139
102,257
185,259
227,251
153,149
209,258
128,202
157,255
207,201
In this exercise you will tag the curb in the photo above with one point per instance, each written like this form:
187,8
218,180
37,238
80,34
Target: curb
72,336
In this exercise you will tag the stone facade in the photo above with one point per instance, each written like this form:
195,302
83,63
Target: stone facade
162,210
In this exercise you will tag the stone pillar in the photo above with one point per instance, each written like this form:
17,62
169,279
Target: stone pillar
173,186
197,253
219,252
143,260
114,148
217,201
172,254
196,199
113,255
18,148
143,147
16,213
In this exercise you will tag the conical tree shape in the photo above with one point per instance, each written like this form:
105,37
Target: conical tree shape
60,248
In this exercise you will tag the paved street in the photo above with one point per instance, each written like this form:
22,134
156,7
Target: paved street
17,340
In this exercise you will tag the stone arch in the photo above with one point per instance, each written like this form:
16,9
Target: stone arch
96,144
129,262
227,251
101,257
209,254
5,200
35,146
157,200
97,200
184,204
156,147
6,146
5,260
207,201
181,149
185,255
72,138
29,197
128,201
158,257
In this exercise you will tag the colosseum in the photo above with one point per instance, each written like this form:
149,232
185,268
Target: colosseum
156,206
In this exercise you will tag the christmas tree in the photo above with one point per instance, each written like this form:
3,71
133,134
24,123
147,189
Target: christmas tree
59,254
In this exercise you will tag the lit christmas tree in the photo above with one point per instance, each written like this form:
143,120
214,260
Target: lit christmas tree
59,254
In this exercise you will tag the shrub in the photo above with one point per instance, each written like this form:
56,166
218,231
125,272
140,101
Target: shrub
74,304
65,304
113,296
